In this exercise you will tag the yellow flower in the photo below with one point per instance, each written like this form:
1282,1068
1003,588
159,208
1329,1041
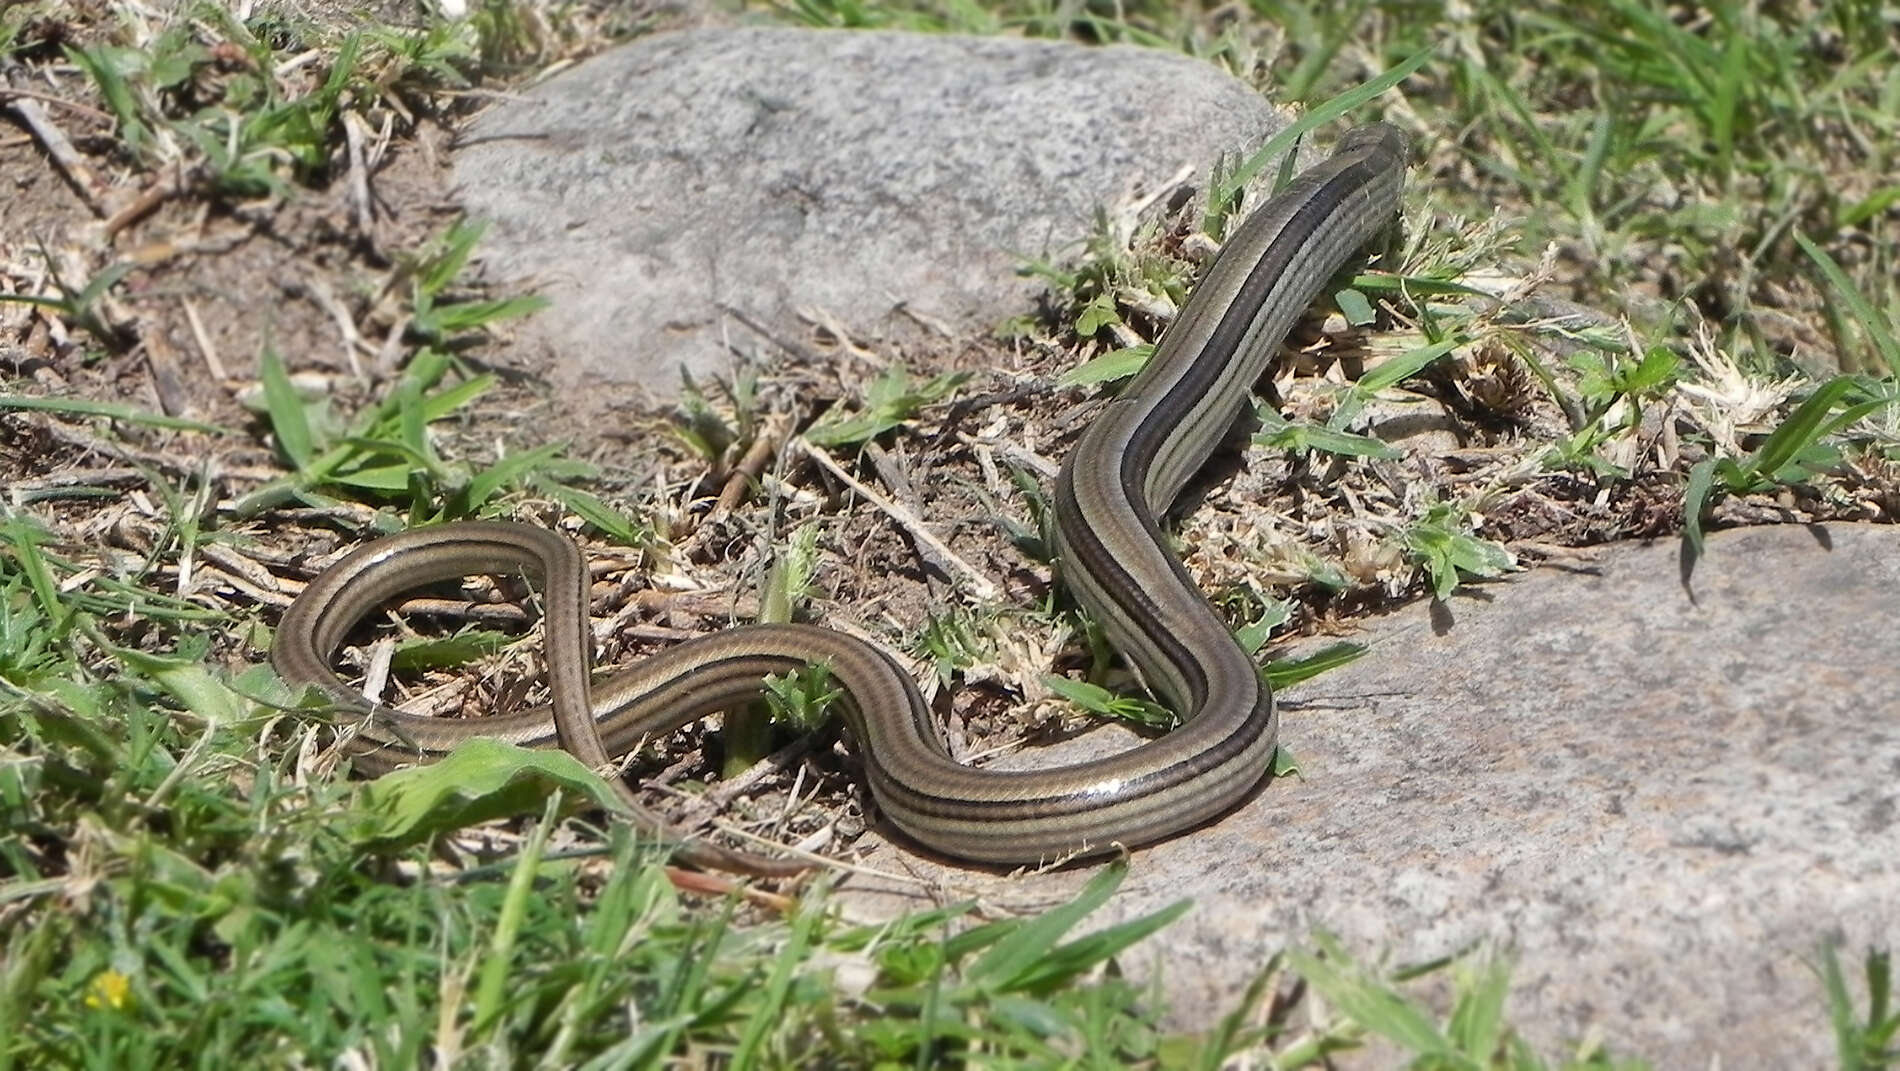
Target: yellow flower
108,989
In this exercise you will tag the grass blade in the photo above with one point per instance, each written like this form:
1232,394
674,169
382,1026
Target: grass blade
771,1005
1220,200
1876,326
1019,954
1282,672
1069,960
111,411
1802,429
287,416
506,471
490,992
1405,365
1368,1001
1695,500
24,539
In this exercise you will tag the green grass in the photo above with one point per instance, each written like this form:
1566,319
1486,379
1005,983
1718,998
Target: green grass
183,884
889,401
78,305
195,901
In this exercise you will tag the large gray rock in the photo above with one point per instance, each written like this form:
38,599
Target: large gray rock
1661,805
666,192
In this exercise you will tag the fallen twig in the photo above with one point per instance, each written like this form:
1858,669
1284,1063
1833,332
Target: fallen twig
746,473
933,549
26,105
142,205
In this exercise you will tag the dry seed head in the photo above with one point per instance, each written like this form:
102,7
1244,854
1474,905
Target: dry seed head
1725,400
1490,378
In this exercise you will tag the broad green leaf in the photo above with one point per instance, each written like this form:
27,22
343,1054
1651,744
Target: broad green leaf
1254,634
1097,314
460,649
1801,429
1476,1027
445,402
1109,367
617,525
1072,959
1284,764
390,478
480,780
1358,311
1406,365
190,683
1099,700
1278,433
1656,370
888,402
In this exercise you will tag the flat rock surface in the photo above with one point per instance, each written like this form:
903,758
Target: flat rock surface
696,192
1660,805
